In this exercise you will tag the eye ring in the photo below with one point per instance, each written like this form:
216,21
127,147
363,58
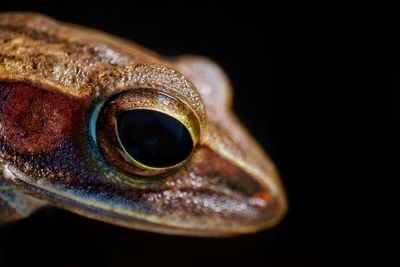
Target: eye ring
106,133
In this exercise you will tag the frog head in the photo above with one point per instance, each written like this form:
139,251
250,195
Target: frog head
107,129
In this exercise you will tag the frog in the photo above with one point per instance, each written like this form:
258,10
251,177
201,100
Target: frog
102,127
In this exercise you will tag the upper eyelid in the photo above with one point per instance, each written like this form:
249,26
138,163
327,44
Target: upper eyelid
152,76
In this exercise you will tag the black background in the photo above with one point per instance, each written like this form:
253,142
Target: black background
300,88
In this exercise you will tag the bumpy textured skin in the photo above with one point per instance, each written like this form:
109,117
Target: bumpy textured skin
51,76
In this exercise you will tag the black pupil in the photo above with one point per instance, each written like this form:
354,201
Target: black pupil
154,138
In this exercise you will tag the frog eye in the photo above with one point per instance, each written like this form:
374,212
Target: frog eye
153,138
145,132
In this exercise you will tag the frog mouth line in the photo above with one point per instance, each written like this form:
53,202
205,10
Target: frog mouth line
119,216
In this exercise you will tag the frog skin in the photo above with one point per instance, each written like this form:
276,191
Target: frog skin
55,81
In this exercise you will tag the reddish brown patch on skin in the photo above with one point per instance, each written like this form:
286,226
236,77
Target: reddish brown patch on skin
33,119
264,196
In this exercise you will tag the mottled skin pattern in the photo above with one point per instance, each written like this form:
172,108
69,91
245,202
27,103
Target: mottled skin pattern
51,77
